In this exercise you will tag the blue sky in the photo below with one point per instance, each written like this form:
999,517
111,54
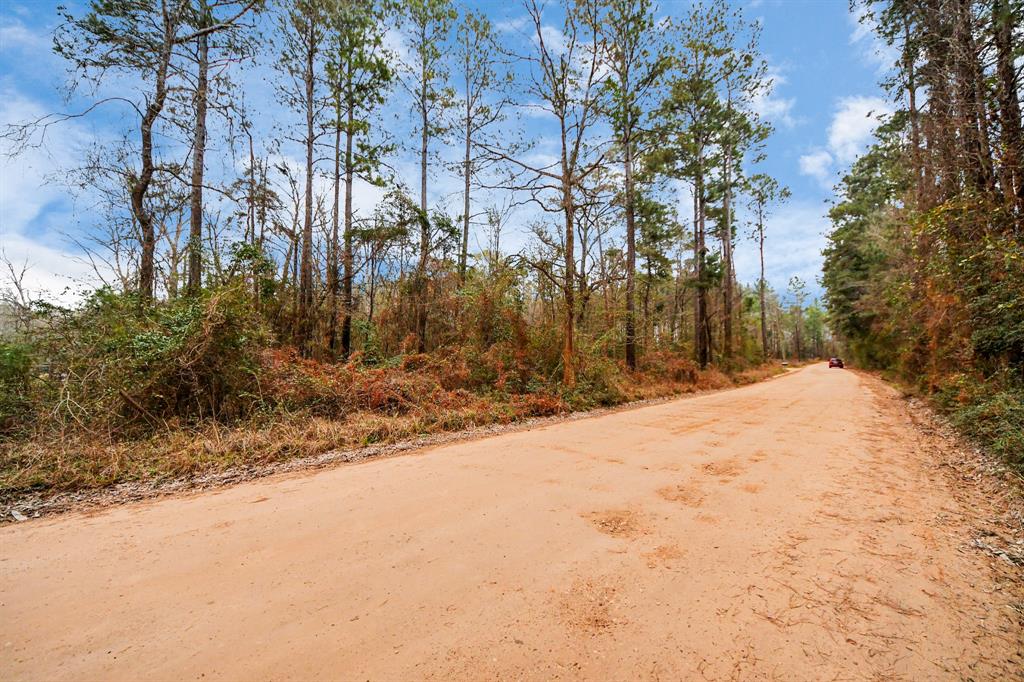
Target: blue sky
825,63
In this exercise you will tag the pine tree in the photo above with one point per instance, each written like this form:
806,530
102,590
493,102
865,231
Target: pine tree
691,121
359,73
303,29
481,106
137,38
425,78
638,60
763,190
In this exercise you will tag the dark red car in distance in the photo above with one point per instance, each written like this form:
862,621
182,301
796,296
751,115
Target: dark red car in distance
835,362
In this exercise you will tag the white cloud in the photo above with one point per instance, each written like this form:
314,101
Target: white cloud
14,34
34,208
51,273
397,44
523,27
516,24
768,105
853,126
554,40
776,109
851,131
817,164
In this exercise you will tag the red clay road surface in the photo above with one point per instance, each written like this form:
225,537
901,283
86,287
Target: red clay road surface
793,529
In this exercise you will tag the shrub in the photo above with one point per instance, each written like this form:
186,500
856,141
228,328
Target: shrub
599,382
15,373
335,390
114,364
990,412
668,366
538,405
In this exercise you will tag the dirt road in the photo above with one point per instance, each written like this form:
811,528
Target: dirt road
794,529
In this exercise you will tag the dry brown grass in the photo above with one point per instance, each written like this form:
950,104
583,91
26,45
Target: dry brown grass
759,373
54,462
82,461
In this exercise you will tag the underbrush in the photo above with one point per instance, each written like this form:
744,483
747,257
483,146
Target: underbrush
114,392
309,408
990,412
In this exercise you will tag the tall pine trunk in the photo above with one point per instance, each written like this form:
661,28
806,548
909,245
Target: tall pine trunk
727,292
942,130
920,174
195,232
139,188
568,325
702,327
761,285
569,292
305,322
466,173
195,256
421,269
346,320
630,254
973,116
1012,137
333,267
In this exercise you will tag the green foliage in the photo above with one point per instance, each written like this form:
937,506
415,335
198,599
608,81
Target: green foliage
984,266
857,246
933,288
113,34
371,350
815,329
116,364
360,72
712,273
15,374
658,229
252,262
428,24
990,412
596,384
640,59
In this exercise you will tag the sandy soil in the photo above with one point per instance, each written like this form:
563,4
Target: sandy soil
799,528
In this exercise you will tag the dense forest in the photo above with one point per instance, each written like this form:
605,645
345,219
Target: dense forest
925,265
247,287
